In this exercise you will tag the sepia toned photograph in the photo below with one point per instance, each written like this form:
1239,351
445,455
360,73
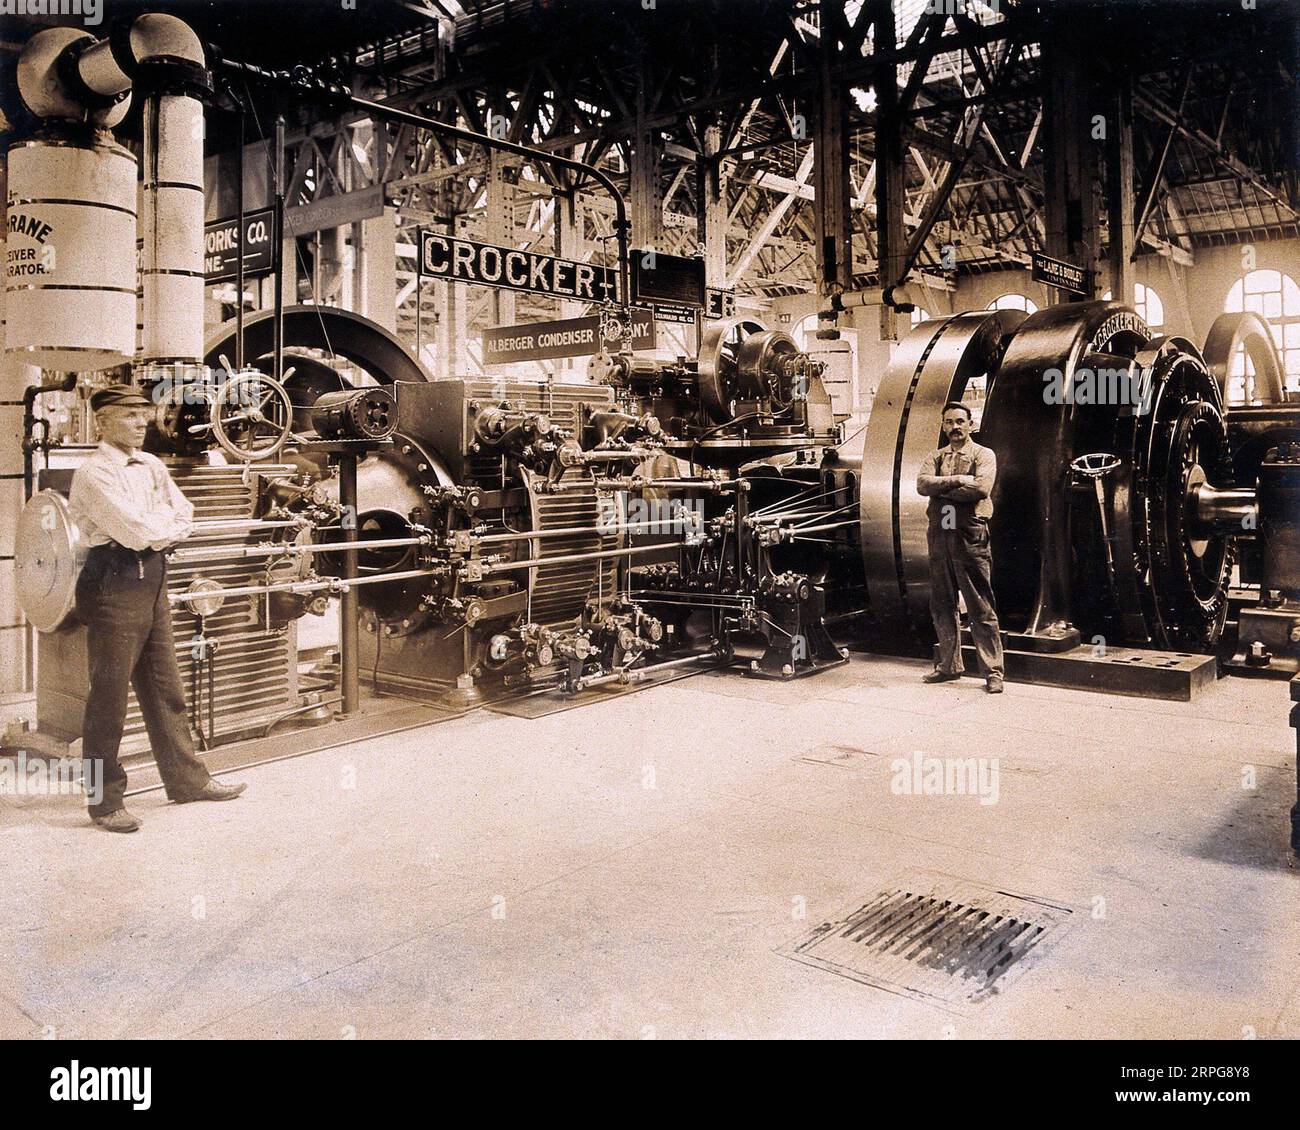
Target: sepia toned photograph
657,520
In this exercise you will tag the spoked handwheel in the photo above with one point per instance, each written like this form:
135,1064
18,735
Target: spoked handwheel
251,416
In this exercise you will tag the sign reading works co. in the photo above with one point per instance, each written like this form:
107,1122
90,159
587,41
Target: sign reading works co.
221,246
571,337
462,260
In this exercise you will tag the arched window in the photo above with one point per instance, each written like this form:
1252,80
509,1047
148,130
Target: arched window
1014,302
1147,304
804,331
1275,297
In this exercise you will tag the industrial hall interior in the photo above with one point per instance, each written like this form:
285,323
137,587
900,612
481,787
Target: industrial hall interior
624,519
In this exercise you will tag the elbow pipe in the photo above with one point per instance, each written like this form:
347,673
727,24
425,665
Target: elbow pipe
896,297
68,75
30,393
153,51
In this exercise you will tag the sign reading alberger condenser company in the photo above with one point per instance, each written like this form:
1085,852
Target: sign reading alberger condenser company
571,337
462,260
1060,274
221,246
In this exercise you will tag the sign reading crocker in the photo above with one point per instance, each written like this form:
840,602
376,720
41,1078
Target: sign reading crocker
462,260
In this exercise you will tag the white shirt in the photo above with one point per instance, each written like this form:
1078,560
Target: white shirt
129,499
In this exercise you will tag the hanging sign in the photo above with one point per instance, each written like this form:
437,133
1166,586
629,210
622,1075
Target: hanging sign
1060,274
462,260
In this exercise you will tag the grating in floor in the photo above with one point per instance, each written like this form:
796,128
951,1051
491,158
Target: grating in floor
935,938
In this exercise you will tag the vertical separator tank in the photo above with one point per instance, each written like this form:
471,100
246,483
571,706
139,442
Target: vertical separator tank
70,263
171,260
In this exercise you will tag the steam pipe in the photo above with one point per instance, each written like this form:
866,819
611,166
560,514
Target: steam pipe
30,393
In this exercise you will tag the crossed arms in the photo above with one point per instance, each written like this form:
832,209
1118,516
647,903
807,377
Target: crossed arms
958,488
101,494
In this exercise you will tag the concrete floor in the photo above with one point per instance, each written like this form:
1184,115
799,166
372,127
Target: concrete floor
632,868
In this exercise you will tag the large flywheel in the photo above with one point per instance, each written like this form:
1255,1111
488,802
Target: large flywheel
1114,501
932,365
1182,444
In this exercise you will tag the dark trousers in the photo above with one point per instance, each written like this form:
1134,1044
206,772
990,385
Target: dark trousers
122,599
960,561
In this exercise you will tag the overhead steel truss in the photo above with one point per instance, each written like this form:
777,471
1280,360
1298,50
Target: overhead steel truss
806,146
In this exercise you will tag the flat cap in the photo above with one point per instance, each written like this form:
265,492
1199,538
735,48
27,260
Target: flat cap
119,396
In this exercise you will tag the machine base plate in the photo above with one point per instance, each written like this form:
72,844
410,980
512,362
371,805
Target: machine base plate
1175,676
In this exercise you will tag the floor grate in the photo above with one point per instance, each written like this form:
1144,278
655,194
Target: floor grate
935,938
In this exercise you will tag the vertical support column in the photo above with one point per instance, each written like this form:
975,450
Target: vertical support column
891,200
647,195
1120,206
831,169
452,305
501,226
375,279
286,277
568,245
440,328
713,178
1070,150
350,683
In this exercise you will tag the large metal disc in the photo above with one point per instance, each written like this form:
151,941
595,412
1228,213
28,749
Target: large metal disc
48,555
931,366
1229,333
1033,435
718,370
339,332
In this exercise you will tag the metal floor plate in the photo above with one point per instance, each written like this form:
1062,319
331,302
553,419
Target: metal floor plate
935,938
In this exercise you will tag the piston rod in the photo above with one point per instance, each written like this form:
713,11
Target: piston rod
219,553
570,531
332,584
575,558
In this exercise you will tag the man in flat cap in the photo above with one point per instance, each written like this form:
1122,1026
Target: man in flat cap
130,513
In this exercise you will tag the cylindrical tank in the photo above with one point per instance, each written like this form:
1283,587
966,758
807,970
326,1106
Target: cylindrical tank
70,257
357,413
171,258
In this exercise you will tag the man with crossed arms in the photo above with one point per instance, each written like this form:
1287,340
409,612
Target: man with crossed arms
958,481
